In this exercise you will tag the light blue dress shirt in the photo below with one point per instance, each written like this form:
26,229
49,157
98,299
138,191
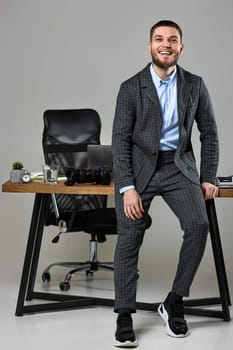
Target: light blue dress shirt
167,93
170,129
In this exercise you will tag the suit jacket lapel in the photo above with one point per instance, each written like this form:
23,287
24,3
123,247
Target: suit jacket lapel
148,87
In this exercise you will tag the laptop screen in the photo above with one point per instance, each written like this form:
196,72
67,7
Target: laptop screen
99,155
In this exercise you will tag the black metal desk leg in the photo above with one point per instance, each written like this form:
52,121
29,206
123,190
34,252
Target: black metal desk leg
39,229
28,256
218,259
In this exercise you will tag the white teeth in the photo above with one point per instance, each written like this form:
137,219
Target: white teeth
165,53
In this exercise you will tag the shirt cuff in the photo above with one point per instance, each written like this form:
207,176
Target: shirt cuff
126,188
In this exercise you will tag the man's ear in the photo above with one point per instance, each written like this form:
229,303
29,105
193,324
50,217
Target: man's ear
149,47
181,48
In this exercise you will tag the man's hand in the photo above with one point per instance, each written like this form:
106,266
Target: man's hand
133,205
209,190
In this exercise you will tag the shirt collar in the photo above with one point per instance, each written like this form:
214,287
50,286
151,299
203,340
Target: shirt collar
157,80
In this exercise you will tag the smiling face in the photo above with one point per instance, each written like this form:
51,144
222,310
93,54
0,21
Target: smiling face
165,47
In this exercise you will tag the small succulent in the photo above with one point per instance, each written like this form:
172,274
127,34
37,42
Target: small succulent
17,165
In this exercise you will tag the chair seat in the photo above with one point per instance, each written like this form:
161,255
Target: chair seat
98,221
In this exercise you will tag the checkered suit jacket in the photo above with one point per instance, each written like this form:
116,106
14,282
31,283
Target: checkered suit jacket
137,127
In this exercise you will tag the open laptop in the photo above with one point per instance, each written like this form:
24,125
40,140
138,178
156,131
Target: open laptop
99,155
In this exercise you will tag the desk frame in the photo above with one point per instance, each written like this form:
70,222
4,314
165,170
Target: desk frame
62,301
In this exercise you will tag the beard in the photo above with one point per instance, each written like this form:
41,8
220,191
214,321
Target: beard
164,65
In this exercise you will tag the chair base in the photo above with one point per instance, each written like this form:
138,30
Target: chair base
90,266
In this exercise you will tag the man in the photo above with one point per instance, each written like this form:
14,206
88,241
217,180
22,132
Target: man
153,155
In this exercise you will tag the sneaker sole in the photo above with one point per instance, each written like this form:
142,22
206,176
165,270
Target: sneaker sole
163,313
126,344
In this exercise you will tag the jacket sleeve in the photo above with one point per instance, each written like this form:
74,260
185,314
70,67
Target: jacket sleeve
208,137
123,127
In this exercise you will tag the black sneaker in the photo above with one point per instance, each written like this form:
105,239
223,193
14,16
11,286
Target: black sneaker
172,313
125,336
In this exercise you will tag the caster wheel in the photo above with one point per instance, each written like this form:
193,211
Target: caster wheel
89,273
46,277
64,286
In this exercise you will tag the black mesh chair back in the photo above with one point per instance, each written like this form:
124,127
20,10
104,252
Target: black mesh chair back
66,136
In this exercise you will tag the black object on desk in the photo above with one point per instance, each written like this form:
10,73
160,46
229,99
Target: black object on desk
225,181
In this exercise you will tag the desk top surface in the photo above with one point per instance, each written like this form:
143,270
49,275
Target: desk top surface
59,188
40,187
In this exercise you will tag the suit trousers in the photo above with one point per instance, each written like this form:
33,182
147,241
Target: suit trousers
187,202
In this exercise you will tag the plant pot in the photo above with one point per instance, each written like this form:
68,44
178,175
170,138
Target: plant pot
16,175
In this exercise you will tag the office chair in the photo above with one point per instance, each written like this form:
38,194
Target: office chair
66,136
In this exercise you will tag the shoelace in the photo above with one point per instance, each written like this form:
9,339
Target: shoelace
125,320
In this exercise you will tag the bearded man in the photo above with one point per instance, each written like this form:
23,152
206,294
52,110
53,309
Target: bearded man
153,156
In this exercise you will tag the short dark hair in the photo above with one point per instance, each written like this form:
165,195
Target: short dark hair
165,23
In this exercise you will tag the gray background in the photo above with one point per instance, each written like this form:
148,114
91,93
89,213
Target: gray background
75,54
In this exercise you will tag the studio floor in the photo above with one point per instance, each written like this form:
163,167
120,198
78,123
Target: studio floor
94,327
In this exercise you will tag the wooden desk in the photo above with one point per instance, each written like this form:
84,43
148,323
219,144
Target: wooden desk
59,188
61,301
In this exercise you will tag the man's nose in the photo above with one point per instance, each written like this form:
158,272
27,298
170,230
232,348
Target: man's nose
167,43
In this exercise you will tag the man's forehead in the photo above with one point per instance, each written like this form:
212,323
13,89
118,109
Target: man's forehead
166,31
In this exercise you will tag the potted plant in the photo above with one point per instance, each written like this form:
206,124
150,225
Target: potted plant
17,172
